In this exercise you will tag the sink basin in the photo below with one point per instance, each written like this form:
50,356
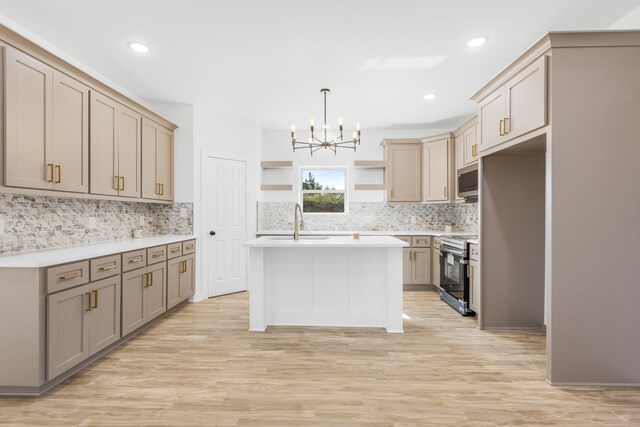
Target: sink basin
300,238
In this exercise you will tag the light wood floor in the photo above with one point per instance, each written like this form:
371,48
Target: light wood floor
200,366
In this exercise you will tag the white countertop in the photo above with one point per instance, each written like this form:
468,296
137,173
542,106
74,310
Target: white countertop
330,242
365,233
78,253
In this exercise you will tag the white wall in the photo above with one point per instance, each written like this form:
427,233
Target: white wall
631,21
276,145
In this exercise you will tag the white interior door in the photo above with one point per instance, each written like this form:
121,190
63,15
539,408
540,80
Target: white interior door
226,215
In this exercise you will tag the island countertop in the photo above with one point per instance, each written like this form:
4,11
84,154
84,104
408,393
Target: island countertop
326,242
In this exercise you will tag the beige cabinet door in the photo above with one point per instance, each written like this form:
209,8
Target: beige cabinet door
491,114
526,99
470,146
156,291
129,152
436,159
150,188
28,127
105,313
435,267
460,156
67,329
187,278
406,265
404,172
70,134
174,267
164,163
421,267
134,308
473,270
103,145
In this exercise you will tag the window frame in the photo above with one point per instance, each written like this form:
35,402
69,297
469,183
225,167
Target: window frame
301,191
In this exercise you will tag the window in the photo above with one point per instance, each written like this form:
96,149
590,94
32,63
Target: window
324,190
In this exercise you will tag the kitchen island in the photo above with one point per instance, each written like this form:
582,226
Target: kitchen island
325,281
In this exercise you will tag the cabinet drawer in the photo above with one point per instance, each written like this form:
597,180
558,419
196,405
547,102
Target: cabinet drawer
156,254
104,267
474,252
133,260
406,239
436,243
67,276
421,241
188,247
174,250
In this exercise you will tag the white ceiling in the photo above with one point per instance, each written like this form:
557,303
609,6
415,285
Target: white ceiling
268,59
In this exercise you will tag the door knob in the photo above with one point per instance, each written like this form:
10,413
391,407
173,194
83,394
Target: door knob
212,233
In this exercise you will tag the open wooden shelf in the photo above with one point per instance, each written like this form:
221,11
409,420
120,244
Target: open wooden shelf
276,187
371,164
276,164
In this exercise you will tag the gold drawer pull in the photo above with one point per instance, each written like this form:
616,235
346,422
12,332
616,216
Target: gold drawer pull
175,250
122,181
50,166
71,276
95,302
107,268
157,254
136,260
59,169
149,282
502,127
188,248
88,294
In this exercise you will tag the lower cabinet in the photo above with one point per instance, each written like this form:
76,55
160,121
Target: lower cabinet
474,285
435,266
144,296
81,322
416,266
180,279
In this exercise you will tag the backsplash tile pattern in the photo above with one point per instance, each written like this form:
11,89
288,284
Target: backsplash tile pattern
374,217
33,223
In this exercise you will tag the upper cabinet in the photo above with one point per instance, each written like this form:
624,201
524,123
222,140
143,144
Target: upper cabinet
115,148
157,161
66,132
515,108
466,149
404,169
438,160
47,116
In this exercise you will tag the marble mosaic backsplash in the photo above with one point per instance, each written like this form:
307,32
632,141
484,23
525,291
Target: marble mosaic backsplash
374,217
33,223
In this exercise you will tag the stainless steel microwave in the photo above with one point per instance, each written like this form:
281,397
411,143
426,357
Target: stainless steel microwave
468,182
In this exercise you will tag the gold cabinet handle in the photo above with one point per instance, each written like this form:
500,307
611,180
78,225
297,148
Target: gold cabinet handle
157,254
445,192
175,250
501,127
506,125
162,189
157,189
150,276
474,150
135,260
116,184
107,268
88,294
95,301
71,276
122,180
50,166
59,169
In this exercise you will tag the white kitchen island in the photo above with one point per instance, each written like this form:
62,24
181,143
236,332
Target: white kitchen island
326,281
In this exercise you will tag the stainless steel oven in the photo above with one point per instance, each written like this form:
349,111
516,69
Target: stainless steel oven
454,283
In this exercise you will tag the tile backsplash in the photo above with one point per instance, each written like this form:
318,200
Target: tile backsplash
33,223
374,217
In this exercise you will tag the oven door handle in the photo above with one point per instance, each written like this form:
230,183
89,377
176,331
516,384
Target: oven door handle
451,251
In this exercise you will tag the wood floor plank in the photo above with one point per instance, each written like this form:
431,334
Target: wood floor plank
200,366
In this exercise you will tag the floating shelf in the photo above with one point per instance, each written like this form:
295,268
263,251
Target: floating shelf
369,187
276,187
371,164
276,164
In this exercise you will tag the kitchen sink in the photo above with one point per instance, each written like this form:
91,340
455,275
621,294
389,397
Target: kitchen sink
300,238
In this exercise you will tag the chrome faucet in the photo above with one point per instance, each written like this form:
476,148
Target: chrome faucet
295,222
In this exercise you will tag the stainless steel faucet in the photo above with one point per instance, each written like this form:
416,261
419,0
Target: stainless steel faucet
295,222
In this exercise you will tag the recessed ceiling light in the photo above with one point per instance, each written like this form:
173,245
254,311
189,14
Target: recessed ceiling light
477,41
430,97
138,47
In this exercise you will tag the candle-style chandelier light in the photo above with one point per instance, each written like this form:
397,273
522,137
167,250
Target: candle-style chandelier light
316,144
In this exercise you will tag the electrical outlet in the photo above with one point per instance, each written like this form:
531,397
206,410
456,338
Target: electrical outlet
141,220
1,226
414,220
92,222
183,212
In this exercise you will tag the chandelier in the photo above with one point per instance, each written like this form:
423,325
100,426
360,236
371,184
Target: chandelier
316,144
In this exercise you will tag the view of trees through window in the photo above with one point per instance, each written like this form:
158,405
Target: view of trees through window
323,190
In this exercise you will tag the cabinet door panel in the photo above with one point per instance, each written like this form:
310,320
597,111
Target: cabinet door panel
421,268
470,147
474,286
156,293
70,133
149,179
164,162
67,330
104,145
404,164
491,110
105,313
526,96
134,309
435,267
187,282
437,161
460,157
129,152
173,282
406,266
29,107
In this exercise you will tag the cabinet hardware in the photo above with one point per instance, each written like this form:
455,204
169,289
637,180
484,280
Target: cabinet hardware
173,251
157,254
506,126
150,278
501,127
122,179
50,166
95,302
445,192
162,189
88,294
135,260
107,268
59,169
116,184
71,276
474,150
157,189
